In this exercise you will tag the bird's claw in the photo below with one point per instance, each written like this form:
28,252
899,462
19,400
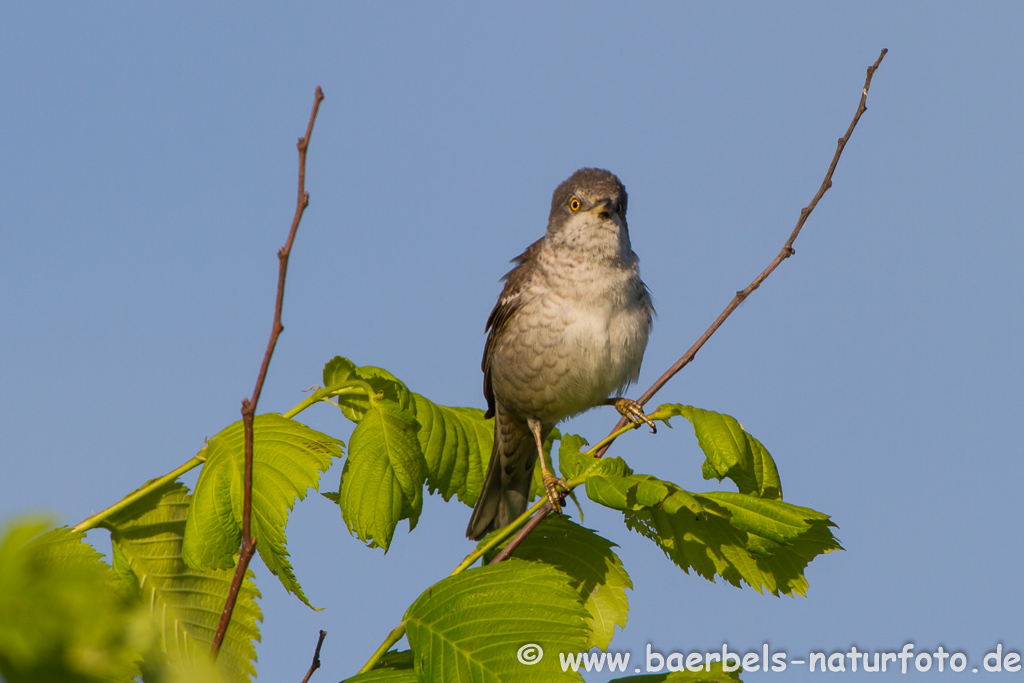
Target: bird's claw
555,489
634,412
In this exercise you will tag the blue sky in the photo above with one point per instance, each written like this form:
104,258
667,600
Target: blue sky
148,177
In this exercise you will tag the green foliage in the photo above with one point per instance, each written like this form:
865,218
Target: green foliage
595,571
740,537
288,458
64,616
402,441
185,603
767,544
470,626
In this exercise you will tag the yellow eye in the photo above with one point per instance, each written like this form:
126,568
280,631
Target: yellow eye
574,204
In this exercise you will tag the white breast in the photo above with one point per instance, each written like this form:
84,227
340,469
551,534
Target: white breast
604,333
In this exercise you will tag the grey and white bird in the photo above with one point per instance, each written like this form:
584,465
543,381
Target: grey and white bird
569,331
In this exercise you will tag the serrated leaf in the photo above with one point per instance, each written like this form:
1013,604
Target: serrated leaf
717,674
456,445
396,666
766,543
186,603
341,372
455,442
596,571
470,627
64,616
382,482
730,451
288,458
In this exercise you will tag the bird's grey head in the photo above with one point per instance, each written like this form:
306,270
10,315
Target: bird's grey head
588,209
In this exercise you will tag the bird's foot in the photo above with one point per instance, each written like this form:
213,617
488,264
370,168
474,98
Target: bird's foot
634,412
555,489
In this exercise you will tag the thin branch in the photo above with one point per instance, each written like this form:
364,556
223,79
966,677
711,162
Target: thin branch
786,252
249,404
316,657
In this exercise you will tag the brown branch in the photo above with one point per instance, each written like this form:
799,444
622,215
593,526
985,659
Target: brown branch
518,538
249,404
316,657
787,251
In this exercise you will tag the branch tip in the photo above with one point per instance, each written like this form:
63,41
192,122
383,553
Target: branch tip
249,404
740,296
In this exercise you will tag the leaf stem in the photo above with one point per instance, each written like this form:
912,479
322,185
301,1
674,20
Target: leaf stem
315,397
147,488
393,637
606,441
349,387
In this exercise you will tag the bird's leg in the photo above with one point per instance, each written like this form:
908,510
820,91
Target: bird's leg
554,487
632,411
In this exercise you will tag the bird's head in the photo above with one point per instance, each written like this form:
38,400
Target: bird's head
588,211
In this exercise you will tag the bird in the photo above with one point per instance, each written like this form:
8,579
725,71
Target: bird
568,333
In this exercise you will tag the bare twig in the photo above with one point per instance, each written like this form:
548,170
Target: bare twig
249,404
786,252
316,657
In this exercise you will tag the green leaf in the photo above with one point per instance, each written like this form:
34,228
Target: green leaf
343,374
456,444
729,450
572,462
717,674
766,543
638,491
382,482
288,458
186,603
596,571
64,615
470,627
394,667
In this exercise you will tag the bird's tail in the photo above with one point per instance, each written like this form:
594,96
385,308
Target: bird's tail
506,489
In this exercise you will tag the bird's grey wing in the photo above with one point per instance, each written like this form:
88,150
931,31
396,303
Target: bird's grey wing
510,301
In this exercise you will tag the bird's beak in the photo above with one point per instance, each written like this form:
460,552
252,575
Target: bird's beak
603,209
